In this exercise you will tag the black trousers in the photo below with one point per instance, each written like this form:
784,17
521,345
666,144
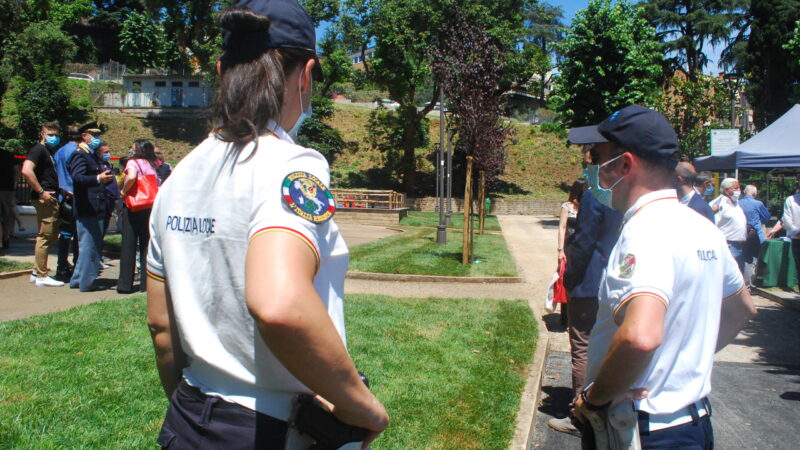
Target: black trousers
195,420
796,255
135,236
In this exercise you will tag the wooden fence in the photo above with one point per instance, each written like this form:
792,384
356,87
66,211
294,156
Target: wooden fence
357,198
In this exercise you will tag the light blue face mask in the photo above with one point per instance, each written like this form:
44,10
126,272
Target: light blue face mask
94,143
107,156
603,195
304,114
52,141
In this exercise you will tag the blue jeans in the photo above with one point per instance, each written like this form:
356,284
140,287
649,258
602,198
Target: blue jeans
737,251
90,241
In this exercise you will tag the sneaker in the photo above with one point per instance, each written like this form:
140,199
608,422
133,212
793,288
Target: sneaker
48,282
63,276
564,425
104,266
105,259
33,277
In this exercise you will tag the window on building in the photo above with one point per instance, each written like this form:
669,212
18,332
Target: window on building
161,84
177,84
194,84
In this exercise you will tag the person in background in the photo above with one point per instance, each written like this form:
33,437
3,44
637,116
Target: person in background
596,230
263,277
89,176
704,184
757,216
135,230
566,228
689,195
791,223
68,233
730,218
9,174
112,196
164,169
39,170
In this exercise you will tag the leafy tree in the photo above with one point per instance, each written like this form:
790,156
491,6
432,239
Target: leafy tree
335,61
142,41
317,134
468,65
686,26
611,60
769,67
403,32
694,108
40,45
37,101
543,28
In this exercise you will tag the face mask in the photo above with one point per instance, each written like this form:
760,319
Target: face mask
602,194
94,143
736,195
52,141
710,191
303,114
107,156
585,173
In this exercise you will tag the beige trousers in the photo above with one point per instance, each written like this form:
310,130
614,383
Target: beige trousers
47,218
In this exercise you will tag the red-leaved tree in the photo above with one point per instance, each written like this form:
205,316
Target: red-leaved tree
468,64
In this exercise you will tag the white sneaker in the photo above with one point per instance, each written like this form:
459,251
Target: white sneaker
104,266
33,277
48,282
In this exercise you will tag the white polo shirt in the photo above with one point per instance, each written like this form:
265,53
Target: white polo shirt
730,219
670,252
791,217
200,226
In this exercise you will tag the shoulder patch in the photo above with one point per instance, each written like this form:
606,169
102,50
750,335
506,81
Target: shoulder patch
627,266
308,197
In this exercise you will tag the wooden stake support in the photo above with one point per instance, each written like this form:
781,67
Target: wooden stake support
467,213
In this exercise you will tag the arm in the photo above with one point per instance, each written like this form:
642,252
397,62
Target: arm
736,311
788,219
562,232
763,213
584,241
778,227
78,169
30,177
170,357
295,325
632,348
127,182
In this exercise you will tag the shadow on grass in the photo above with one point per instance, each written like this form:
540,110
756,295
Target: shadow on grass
187,129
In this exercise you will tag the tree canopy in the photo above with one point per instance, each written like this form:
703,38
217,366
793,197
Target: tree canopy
611,59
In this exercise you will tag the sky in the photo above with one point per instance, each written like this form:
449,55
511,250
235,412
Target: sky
570,7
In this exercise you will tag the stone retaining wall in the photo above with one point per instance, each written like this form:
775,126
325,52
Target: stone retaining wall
502,206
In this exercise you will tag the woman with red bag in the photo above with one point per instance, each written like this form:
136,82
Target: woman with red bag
139,189
566,228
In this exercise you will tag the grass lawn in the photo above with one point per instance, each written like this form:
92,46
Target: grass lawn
416,252
431,219
112,243
7,265
450,372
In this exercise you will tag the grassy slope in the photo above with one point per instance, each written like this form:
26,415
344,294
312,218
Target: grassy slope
537,162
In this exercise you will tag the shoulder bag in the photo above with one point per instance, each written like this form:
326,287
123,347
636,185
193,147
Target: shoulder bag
143,193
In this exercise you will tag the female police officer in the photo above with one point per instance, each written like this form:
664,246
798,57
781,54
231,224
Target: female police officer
247,270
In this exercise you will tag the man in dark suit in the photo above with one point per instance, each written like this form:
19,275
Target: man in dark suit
89,176
687,178
596,231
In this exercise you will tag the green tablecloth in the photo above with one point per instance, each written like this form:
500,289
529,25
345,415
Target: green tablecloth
776,267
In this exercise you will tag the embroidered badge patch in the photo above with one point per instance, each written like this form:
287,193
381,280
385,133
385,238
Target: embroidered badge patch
308,197
627,266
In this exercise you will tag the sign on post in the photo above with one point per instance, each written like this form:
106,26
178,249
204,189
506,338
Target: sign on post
724,141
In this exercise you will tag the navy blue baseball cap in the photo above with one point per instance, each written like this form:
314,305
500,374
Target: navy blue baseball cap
290,27
643,131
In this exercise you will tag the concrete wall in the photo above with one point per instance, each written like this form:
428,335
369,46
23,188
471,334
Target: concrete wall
366,216
502,206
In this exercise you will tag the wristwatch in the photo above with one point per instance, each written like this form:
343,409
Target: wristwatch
592,406
40,192
559,249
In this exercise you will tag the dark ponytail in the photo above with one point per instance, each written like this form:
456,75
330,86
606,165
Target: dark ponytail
251,85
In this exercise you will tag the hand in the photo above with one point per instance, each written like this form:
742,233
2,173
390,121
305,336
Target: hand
48,196
562,257
106,177
373,418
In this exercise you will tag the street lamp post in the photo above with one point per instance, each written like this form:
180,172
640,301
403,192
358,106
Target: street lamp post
441,230
733,80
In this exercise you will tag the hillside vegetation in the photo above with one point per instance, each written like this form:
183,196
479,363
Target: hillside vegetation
538,165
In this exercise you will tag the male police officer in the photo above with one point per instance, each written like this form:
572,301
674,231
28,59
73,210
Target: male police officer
672,294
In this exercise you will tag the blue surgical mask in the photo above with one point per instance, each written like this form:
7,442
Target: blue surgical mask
52,141
304,114
585,173
603,195
710,191
94,143
107,156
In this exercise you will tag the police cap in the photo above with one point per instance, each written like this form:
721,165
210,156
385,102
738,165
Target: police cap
91,127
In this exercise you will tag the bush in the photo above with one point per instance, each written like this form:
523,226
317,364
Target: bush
43,99
316,134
